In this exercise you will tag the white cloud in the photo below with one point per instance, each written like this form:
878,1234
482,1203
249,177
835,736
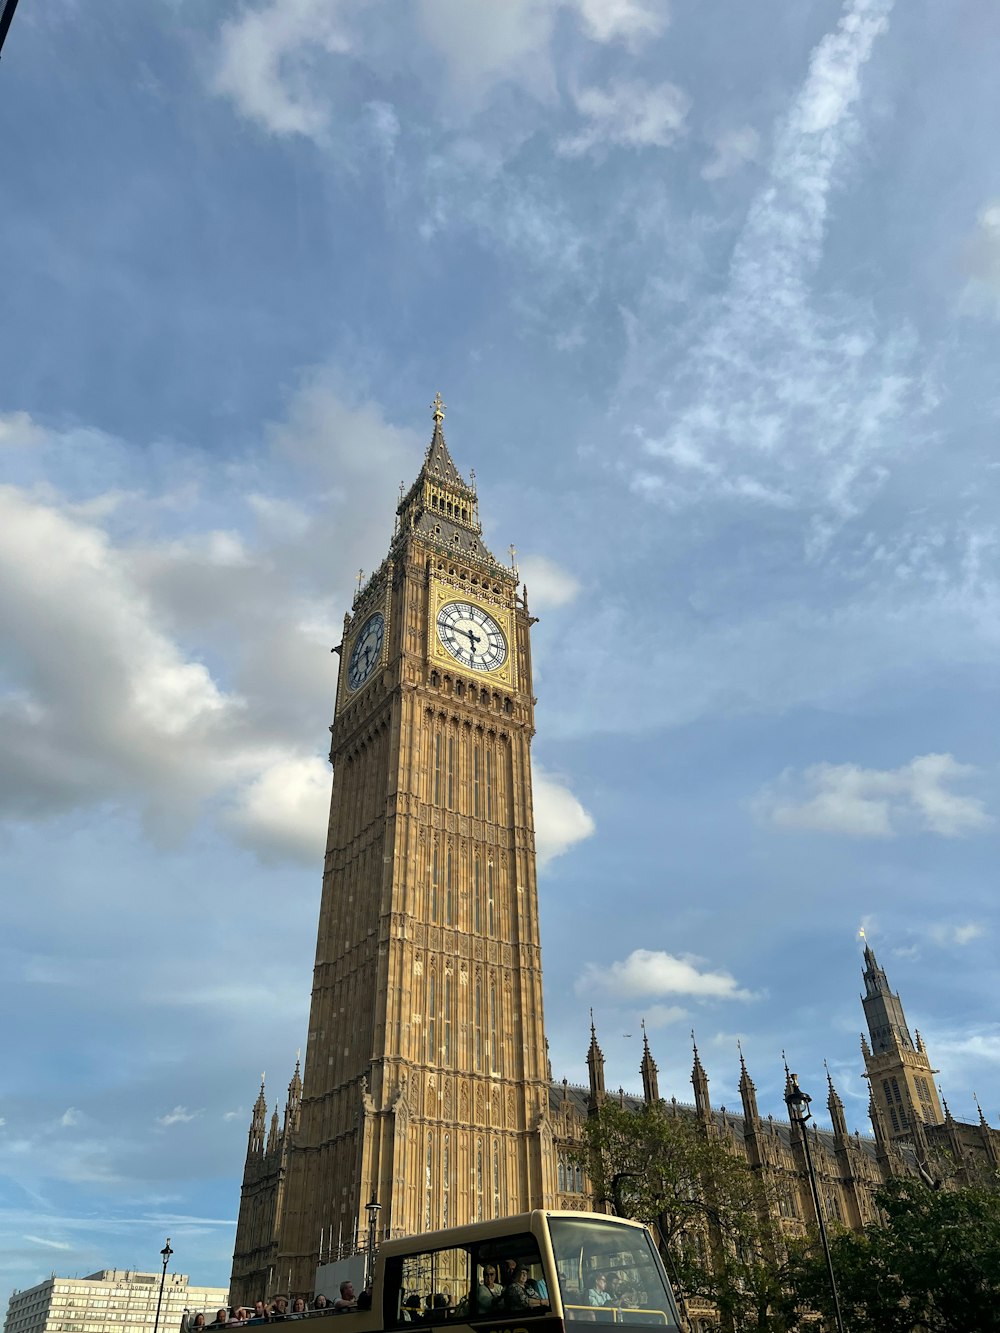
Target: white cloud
180,1115
982,254
771,396
560,819
948,933
49,1244
629,21
266,63
732,150
649,972
875,803
548,584
662,1015
627,114
70,1117
283,811
17,428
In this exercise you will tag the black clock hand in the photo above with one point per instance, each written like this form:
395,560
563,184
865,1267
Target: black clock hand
474,639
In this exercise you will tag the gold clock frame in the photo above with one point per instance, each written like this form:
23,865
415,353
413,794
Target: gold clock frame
360,620
438,655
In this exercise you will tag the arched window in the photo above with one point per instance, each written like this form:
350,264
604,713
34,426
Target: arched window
451,773
479,1180
562,1177
435,870
489,782
477,896
491,924
494,1063
477,760
496,1180
436,774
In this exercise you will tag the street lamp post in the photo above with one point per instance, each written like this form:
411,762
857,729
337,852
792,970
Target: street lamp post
165,1254
372,1208
797,1102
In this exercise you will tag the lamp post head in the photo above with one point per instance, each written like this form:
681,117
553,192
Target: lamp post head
373,1208
797,1101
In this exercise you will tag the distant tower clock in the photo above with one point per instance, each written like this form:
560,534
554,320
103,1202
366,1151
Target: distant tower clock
366,651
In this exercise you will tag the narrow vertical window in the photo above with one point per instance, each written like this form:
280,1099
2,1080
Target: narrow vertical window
451,773
493,1029
491,923
562,1177
476,764
496,1180
479,1180
446,1181
477,897
449,904
435,869
489,783
477,1026
431,1020
429,1183
446,1016
436,794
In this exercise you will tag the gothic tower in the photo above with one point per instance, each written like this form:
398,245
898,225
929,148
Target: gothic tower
426,1082
899,1071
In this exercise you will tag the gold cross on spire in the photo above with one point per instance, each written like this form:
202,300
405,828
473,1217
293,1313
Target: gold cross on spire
439,408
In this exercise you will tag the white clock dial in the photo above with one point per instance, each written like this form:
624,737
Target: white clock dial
366,651
472,636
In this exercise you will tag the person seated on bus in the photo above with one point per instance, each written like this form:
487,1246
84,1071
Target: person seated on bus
298,1306
365,1299
279,1307
320,1302
538,1287
347,1299
489,1290
598,1293
516,1296
221,1317
411,1309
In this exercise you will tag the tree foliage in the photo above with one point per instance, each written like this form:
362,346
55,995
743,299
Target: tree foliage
930,1265
708,1208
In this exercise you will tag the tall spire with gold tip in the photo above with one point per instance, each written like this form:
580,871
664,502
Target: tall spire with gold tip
258,1122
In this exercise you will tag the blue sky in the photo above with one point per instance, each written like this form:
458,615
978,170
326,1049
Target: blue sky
712,293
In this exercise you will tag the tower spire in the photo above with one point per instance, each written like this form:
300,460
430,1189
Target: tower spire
836,1108
649,1071
595,1068
748,1094
699,1081
258,1122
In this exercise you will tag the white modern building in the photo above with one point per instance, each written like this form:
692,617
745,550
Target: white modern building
115,1300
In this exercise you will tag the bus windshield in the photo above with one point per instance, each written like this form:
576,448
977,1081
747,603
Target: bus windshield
609,1273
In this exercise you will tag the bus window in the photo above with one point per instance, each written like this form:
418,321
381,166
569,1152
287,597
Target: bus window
609,1273
480,1278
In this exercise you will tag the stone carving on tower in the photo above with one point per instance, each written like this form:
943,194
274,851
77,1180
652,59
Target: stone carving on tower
426,1080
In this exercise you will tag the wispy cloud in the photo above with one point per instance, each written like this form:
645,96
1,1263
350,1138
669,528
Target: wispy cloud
955,933
180,1115
70,1117
774,401
627,114
49,1244
732,150
653,972
876,803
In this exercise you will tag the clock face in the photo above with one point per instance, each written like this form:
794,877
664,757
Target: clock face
472,636
366,651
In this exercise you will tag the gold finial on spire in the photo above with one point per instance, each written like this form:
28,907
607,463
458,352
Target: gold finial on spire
361,578
438,409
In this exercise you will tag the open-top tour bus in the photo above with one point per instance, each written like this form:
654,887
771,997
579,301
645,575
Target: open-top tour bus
534,1272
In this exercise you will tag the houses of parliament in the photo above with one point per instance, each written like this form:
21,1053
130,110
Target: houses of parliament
426,1084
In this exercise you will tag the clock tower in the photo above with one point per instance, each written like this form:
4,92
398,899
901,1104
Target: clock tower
426,1080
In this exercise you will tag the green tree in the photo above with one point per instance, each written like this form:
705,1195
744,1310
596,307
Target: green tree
930,1265
707,1207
